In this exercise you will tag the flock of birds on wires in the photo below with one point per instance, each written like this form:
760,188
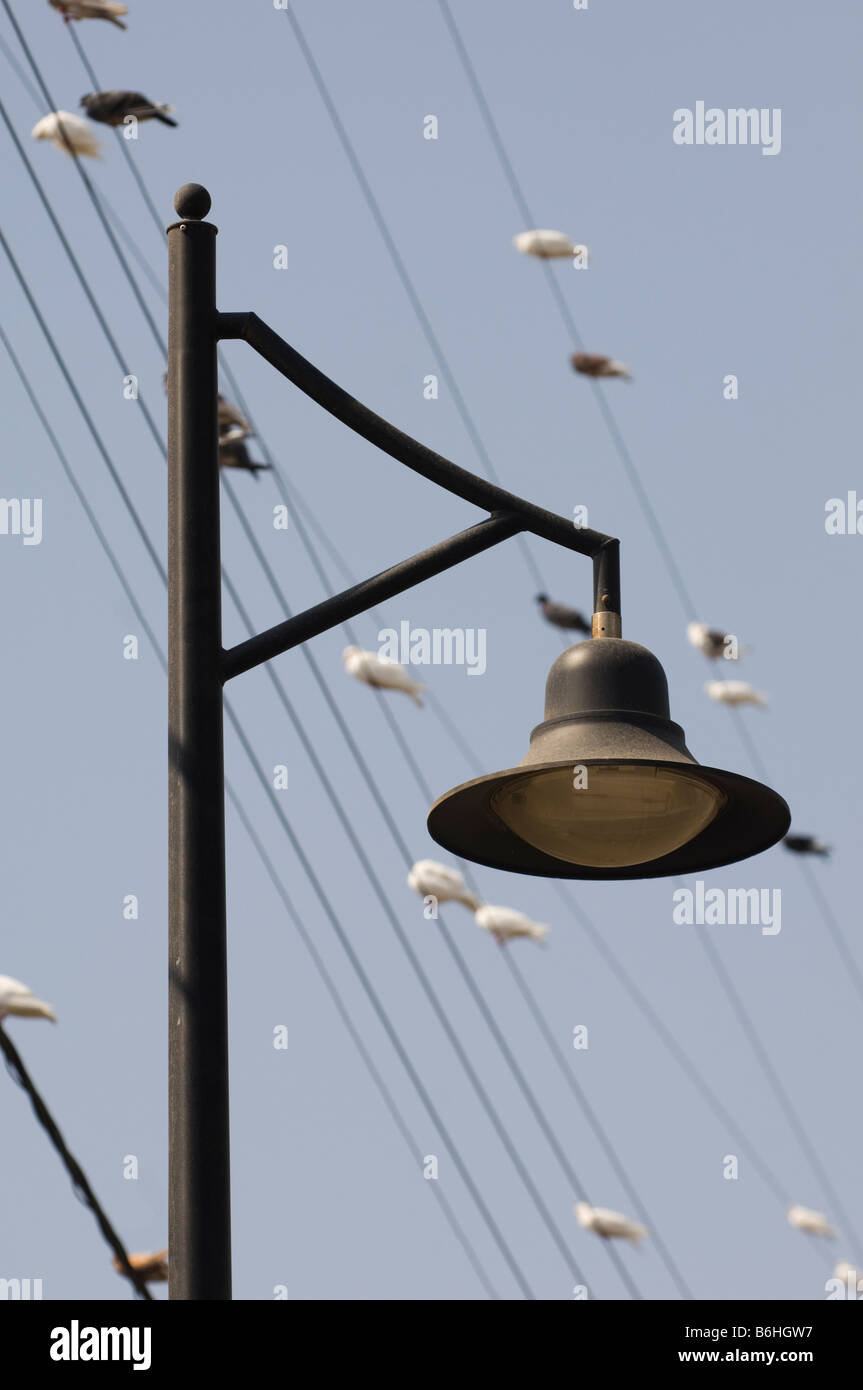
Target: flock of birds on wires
436,883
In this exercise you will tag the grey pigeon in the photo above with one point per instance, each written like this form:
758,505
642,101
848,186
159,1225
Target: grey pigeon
112,108
559,615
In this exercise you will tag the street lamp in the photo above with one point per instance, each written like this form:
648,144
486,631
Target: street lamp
647,808
608,788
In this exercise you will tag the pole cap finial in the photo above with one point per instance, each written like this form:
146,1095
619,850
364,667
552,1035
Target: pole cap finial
192,202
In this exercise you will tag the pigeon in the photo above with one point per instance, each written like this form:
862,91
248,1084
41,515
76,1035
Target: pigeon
735,693
90,9
17,1001
153,1266
561,616
814,1223
707,639
505,924
592,364
806,844
546,245
234,454
68,132
232,425
112,108
384,675
438,881
608,1224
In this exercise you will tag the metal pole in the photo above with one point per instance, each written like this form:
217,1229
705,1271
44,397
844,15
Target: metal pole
199,1175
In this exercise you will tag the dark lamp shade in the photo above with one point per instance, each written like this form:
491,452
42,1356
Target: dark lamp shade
608,788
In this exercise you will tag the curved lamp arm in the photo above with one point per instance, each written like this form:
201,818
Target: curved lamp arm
509,514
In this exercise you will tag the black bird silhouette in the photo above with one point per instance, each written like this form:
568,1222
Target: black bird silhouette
111,108
806,844
559,615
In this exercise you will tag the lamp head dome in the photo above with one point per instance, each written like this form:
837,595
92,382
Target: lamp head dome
608,787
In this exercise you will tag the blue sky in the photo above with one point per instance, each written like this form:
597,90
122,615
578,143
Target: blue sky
705,261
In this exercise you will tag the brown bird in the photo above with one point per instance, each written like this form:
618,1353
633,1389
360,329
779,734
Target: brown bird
233,428
90,9
559,615
112,108
592,364
153,1266
234,454
231,421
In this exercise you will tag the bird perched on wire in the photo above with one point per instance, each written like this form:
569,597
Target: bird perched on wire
153,1265
608,1224
506,924
430,879
806,844
112,108
232,424
383,675
546,245
708,640
17,1001
234,454
91,9
559,615
592,364
814,1223
735,693
69,133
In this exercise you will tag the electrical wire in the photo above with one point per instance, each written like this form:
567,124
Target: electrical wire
80,1182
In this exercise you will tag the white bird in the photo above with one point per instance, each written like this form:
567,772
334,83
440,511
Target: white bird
735,693
17,1001
505,924
708,640
814,1223
608,1224
68,133
430,879
546,244
90,9
384,675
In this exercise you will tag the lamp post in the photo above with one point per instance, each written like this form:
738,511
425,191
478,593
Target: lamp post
647,808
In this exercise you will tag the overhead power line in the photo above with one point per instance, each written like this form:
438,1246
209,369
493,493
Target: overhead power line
80,1181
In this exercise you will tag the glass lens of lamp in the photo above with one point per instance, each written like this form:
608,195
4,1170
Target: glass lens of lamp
626,814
